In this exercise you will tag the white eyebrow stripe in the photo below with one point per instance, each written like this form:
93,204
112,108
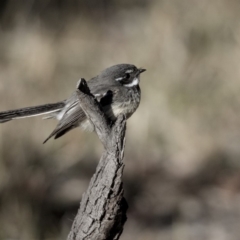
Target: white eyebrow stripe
133,83
119,79
129,71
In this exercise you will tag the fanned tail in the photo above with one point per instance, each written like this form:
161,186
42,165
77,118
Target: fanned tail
30,111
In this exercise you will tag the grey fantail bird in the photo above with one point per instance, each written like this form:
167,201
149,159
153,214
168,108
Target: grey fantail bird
116,88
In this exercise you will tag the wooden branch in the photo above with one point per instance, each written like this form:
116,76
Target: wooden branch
102,211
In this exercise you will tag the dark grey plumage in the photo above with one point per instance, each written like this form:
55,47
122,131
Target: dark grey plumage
116,88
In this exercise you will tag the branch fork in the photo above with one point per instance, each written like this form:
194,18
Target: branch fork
102,211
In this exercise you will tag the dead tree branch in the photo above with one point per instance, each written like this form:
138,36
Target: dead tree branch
102,211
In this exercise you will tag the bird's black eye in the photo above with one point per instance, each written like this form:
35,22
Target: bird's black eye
127,76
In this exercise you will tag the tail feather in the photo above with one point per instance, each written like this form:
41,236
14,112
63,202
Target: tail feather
30,111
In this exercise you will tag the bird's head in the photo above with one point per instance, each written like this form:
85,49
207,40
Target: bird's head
127,75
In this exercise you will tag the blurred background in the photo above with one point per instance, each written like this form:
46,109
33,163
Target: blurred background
182,173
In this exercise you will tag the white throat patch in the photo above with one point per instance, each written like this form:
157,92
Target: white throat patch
135,82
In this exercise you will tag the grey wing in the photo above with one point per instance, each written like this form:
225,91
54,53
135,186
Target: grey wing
72,117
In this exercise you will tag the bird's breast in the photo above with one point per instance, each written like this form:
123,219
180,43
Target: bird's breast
126,104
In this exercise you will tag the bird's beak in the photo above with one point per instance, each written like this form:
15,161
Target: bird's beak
141,70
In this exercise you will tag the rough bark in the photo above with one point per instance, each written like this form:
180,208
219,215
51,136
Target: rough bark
102,211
